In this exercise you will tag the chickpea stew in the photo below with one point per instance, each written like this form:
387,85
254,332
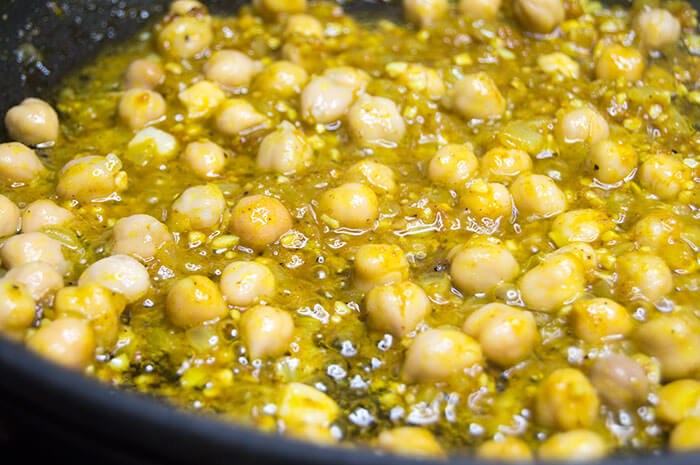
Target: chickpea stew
474,232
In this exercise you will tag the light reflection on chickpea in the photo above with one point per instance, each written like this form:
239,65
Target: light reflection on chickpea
144,74
140,107
353,205
259,220
477,96
620,62
541,16
230,69
438,354
19,163
32,122
657,28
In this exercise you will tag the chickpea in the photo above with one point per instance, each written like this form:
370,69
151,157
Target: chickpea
141,107
9,217
285,150
396,308
193,301
282,78
379,264
410,440
201,99
119,273
438,354
352,205
559,65
577,445
348,76
586,255
621,381
307,411
246,283
453,165
619,62
476,96
657,28
205,158
566,400
187,7
304,26
39,278
553,283
506,334
186,36
260,220
508,449
417,78
538,196
643,275
44,213
140,236
203,206
679,400
541,16
479,267
376,120
230,69
92,179
324,100
665,176
675,341
70,342
425,13
656,229
582,125
151,145
144,74
584,225
32,122
236,116
277,7
17,308
33,247
685,437
487,200
267,331
479,9
612,161
19,163
503,165
594,320
377,175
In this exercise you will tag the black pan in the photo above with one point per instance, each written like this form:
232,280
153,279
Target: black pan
60,415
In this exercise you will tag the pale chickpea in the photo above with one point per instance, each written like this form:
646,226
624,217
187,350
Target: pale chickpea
33,247
417,78
230,69
17,308
479,267
303,25
92,179
612,162
396,308
685,437
246,283
487,200
621,381
566,400
140,236
44,213
578,446
678,401
377,175
438,354
282,78
675,341
152,145
586,255
425,13
559,65
349,76
619,62
476,96
410,440
70,342
453,165
352,205
285,150
141,107
642,275
537,196
119,273
193,301
594,320
376,120
205,158
508,449
277,7
584,225
657,28
379,264
186,36
39,278
203,206
32,122
324,100
479,9
144,74
501,164
9,217
266,331
665,176
201,99
656,229
553,283
507,335
541,16
581,125
237,116
259,220
307,412
19,163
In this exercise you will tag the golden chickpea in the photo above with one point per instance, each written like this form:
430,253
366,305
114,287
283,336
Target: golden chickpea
376,120
577,445
376,175
553,283
537,196
259,220
643,275
205,158
267,331
508,449
303,25
236,116
584,225
201,99
324,100
285,150
9,217
32,122
559,66
19,163
438,354
140,236
656,229
396,308
566,400
595,320
141,107
582,125
619,62
44,213
501,164
230,69
425,13
92,179
453,165
678,401
144,74
121,274
586,255
39,278
186,36
487,200
479,9
685,437
352,205
417,78
246,283
621,381
379,264
675,341
541,16
187,7
479,267
410,440
33,247
70,342
476,96
657,28
17,308
203,206
349,76
151,145
277,7
665,176
193,301
282,78
612,162
306,411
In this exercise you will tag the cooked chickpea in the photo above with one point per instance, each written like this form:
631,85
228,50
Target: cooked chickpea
425,13
541,16
559,65
410,440
203,206
308,412
205,158
396,308
453,165
675,342
508,449
141,107
538,196
304,26
32,122
348,76
92,178
501,164
621,381
581,125
577,445
70,342
376,120
377,175
643,275
186,36
507,335
665,176
266,331
324,100
246,283
595,320
566,400
479,267
553,283
685,437
438,354
657,28
236,116
619,62
479,9
259,220
140,236
187,7
39,278
612,162
17,308
476,96
586,255
584,225
19,163
44,213
119,273
656,229
9,217
201,99
487,200
678,401
417,78
379,264
285,150
193,301
151,145
230,69
33,247
352,205
144,74
282,78
281,6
